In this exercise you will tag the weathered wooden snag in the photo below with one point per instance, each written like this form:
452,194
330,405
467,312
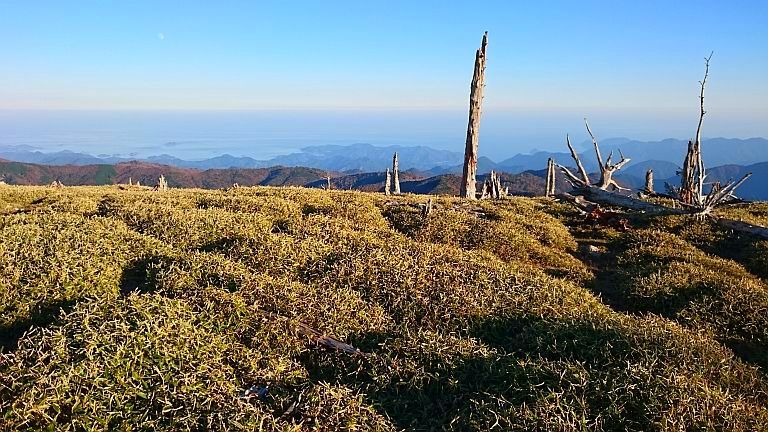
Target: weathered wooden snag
395,174
649,182
550,186
469,174
387,181
492,187
162,184
691,191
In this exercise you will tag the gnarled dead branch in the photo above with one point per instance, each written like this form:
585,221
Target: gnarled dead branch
606,168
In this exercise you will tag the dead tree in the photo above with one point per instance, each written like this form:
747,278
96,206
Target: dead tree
395,175
690,195
387,181
161,185
469,174
649,182
692,175
744,227
550,186
606,168
328,182
492,187
691,191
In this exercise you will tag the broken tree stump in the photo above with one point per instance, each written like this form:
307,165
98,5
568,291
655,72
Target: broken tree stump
550,185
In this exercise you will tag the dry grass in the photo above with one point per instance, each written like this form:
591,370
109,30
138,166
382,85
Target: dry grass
175,303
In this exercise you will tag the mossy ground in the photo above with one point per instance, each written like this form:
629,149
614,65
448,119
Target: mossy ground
128,309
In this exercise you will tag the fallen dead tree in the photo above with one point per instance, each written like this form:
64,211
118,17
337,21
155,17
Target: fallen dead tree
688,199
740,226
598,192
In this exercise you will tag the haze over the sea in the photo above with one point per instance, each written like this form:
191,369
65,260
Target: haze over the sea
264,134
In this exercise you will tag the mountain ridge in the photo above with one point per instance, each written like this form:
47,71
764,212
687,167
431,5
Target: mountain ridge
364,157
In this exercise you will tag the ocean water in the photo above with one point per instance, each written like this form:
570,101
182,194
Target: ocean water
194,135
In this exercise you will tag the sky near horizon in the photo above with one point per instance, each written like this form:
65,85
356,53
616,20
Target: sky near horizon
629,60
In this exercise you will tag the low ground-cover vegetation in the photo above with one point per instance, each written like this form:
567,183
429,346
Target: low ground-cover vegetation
133,309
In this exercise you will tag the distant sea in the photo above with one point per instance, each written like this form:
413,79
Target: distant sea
194,135
197,135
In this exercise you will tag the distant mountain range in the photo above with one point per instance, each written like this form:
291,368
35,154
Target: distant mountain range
361,166
368,158
20,173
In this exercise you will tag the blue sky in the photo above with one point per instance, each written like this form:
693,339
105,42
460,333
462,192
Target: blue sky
630,62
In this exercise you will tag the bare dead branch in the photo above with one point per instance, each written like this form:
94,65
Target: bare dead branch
594,143
575,157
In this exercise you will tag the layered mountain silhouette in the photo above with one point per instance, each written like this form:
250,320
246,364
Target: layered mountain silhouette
361,167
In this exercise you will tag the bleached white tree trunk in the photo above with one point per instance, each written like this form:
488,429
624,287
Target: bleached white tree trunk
395,174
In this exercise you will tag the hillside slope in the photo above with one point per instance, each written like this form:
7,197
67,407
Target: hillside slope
295,309
17,173
148,173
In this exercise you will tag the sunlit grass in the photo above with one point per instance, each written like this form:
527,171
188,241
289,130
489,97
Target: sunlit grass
154,311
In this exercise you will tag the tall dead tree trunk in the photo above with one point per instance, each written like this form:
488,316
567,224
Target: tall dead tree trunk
328,182
395,174
387,181
691,190
469,174
649,182
693,174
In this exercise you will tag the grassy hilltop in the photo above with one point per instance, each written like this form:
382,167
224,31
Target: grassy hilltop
131,309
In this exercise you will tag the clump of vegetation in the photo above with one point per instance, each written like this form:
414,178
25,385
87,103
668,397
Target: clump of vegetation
662,273
516,230
193,309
